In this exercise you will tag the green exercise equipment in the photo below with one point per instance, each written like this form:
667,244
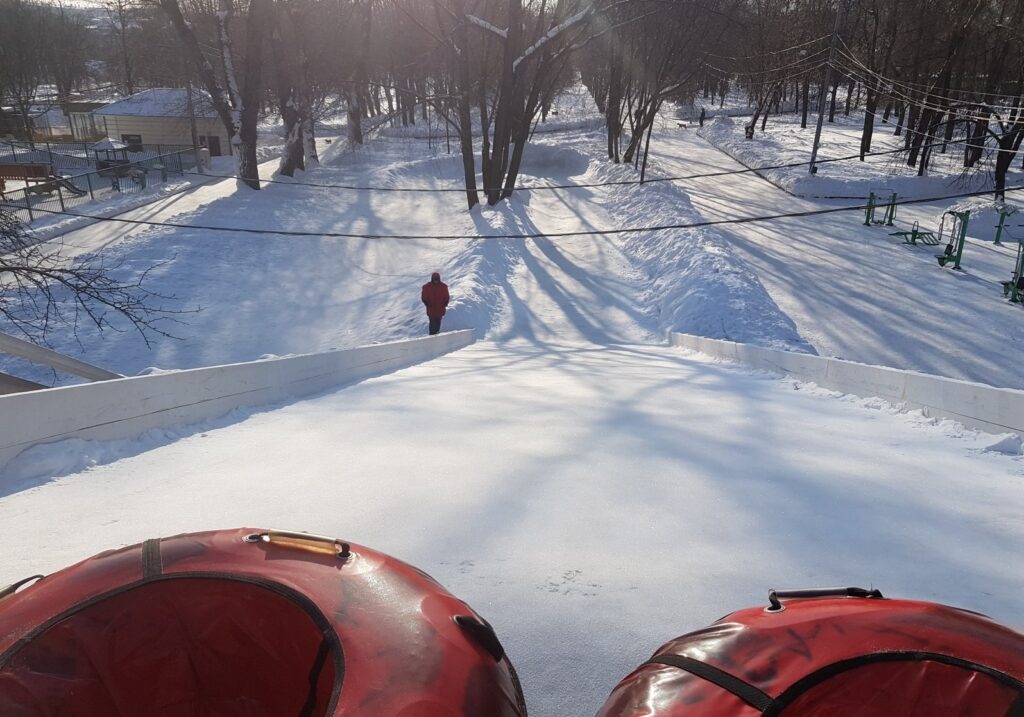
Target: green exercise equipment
874,203
1003,214
954,250
1014,288
916,234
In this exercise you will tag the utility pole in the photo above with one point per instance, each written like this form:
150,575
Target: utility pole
192,124
840,9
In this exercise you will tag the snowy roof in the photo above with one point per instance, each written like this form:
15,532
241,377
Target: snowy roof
109,144
160,102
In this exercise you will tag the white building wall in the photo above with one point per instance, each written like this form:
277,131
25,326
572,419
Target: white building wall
165,130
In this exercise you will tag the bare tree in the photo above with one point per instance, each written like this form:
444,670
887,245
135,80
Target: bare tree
234,94
67,50
43,292
23,59
122,21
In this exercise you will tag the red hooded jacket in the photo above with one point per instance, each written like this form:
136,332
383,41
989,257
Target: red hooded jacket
435,296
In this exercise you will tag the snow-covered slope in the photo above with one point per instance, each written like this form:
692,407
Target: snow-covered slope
249,295
856,292
591,502
591,495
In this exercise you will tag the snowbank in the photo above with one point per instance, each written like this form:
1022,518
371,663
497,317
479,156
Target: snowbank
985,218
697,283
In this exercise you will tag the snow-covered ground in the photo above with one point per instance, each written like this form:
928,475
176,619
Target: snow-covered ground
591,501
590,492
267,294
783,142
856,292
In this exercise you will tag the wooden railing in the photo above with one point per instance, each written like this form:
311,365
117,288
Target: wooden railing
47,357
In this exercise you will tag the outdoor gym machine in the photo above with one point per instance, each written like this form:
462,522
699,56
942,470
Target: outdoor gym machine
873,204
917,234
957,237
1003,214
1014,288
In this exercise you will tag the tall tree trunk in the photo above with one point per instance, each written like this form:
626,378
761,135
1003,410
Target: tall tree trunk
252,91
613,111
912,115
304,93
1009,143
460,56
357,84
355,114
805,103
292,155
126,60
504,112
947,137
976,146
647,144
485,135
871,105
901,113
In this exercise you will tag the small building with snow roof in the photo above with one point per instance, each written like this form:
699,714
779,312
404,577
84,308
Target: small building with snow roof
161,116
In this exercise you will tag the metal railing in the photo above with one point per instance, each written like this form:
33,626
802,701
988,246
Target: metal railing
73,157
64,193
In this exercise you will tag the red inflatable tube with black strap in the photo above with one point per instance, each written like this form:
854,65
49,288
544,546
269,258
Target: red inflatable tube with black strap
857,655
248,622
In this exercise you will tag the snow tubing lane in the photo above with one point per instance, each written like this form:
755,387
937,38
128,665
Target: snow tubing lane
837,657
248,622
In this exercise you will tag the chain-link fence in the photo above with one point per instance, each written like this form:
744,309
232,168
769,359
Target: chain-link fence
42,195
75,157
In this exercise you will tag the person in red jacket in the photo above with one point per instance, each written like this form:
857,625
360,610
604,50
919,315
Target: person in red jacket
435,298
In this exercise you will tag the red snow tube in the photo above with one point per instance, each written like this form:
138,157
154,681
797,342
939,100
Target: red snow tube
248,622
845,653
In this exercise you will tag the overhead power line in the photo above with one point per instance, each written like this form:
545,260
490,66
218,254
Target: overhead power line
769,52
586,185
802,62
532,235
790,76
913,86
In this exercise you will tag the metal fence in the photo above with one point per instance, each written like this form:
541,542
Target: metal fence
64,193
73,157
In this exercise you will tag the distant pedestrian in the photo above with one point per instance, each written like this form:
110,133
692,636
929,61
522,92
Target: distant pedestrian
435,298
702,113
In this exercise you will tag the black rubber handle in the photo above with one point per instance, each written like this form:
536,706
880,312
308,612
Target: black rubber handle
776,596
483,634
11,589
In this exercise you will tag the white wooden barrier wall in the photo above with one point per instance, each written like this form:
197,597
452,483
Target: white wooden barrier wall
126,407
986,408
